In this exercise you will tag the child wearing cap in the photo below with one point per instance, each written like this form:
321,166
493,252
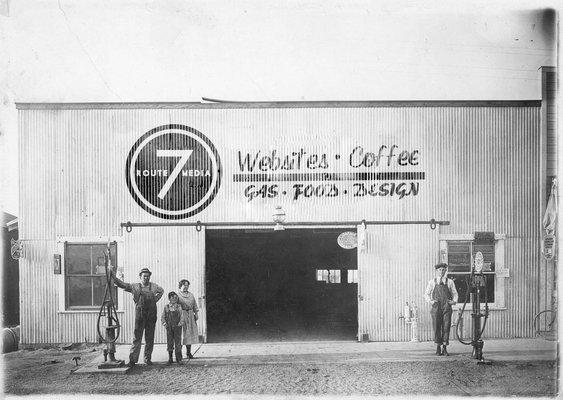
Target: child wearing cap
173,319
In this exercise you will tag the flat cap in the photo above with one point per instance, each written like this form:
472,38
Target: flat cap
441,265
145,270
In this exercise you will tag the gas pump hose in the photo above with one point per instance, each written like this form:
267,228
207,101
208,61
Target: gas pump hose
463,310
460,315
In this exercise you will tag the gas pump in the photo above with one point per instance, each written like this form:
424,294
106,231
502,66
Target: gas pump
476,284
108,314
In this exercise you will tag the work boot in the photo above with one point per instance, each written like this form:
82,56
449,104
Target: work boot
148,362
438,350
170,360
189,351
444,351
179,358
131,363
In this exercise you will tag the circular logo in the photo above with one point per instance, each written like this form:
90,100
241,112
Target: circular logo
347,240
173,171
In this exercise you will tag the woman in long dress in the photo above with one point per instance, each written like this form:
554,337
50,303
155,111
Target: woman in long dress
189,331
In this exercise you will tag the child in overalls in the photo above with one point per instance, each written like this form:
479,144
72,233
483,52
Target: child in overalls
441,294
173,319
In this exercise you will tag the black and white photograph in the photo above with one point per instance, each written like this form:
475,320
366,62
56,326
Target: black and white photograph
279,199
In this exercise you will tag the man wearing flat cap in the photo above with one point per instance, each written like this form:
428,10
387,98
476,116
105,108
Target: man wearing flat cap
441,294
145,296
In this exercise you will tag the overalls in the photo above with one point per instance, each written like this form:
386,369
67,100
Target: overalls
441,313
173,331
145,320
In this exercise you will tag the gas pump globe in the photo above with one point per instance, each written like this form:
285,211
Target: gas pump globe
478,262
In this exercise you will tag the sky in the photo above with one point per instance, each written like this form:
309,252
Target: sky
179,50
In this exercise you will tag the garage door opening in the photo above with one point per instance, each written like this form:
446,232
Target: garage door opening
265,285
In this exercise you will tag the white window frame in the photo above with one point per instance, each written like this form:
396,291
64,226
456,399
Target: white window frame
501,272
61,241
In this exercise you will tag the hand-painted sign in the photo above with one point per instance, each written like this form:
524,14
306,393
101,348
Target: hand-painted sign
301,173
173,171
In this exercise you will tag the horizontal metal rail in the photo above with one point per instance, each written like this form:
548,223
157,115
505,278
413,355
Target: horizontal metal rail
130,225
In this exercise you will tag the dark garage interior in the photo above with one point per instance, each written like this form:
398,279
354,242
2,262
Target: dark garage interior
291,285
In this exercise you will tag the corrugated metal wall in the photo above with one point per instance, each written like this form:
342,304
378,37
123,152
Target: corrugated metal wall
171,254
549,95
73,164
394,269
481,167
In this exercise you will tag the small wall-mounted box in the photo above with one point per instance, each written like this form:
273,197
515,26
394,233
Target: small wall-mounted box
57,264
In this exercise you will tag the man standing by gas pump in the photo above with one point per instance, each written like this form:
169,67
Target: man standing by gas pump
145,296
441,294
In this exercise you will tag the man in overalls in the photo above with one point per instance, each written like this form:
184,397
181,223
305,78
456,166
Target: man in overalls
145,296
441,294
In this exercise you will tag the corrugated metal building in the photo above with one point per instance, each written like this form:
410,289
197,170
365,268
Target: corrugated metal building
189,190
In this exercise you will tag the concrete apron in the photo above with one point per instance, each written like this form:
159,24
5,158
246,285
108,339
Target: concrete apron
342,352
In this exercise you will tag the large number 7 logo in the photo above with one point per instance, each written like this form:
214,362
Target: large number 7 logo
184,156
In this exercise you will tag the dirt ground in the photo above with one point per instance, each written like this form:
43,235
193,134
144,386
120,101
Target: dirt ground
49,371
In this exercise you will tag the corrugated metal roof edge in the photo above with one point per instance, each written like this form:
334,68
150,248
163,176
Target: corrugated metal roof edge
280,104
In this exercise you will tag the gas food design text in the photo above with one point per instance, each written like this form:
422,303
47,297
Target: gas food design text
379,173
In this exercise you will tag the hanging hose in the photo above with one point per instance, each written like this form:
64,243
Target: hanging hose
463,309
461,315
107,309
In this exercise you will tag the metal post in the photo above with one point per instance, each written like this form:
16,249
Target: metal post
110,335
476,315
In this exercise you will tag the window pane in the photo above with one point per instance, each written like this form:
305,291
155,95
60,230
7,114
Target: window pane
87,259
99,290
460,281
459,256
490,289
77,259
334,276
352,276
98,252
322,275
79,291
459,247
